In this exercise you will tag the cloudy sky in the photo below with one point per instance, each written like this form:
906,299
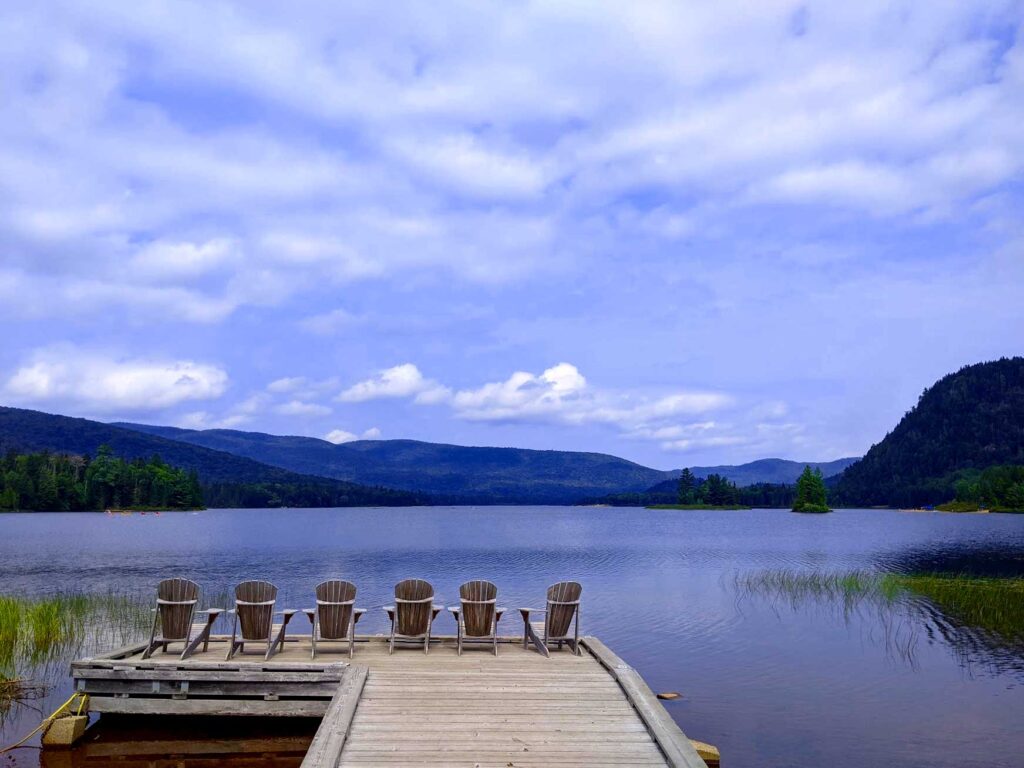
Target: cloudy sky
682,233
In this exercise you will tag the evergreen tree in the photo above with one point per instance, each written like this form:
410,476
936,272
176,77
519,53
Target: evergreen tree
687,487
811,494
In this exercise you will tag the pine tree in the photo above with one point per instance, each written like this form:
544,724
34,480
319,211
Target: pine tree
687,487
811,494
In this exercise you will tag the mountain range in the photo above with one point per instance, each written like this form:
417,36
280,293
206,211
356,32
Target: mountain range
227,475
967,421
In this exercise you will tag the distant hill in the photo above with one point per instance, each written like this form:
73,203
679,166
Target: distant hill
457,473
772,470
228,476
970,419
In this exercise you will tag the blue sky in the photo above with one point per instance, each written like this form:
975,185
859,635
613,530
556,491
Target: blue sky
679,233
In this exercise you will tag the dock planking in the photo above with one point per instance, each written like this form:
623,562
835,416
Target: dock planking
518,708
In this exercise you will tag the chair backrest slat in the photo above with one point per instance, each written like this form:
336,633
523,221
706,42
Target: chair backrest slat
176,600
413,604
478,600
334,605
254,601
563,600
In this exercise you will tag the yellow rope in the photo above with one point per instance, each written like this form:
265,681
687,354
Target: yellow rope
83,700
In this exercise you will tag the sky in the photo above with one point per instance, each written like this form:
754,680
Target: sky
682,233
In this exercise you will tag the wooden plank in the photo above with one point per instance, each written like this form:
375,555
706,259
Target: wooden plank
325,751
677,748
230,707
208,689
195,675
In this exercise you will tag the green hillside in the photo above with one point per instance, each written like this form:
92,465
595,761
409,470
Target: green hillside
966,421
227,479
457,473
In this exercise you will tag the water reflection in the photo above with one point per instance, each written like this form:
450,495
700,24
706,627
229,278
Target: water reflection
770,685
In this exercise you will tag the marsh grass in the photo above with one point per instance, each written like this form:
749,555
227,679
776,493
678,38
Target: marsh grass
973,614
39,634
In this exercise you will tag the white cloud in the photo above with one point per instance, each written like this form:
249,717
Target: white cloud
558,395
300,408
327,323
400,381
168,260
286,384
64,374
339,436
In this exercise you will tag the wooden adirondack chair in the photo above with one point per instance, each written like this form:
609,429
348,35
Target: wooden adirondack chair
561,612
477,614
413,613
176,601
254,616
335,616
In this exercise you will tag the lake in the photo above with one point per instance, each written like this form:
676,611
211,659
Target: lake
770,681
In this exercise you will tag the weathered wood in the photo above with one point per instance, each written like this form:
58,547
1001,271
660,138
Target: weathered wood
677,748
518,707
325,751
219,707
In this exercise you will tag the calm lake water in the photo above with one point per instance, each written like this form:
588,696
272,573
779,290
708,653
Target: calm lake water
770,683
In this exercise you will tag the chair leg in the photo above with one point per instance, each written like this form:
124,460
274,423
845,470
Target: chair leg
234,634
458,626
576,635
313,636
152,636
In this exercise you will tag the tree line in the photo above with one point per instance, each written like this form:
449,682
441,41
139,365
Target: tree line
999,488
53,482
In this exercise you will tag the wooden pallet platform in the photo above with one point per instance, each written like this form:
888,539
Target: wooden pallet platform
518,708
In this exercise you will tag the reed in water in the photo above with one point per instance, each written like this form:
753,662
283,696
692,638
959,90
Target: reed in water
992,605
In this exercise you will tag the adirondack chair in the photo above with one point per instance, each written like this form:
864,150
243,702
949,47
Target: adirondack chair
561,612
477,614
254,618
413,613
335,616
176,601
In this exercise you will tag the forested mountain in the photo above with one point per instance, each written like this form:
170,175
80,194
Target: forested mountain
472,474
968,420
775,471
452,472
227,480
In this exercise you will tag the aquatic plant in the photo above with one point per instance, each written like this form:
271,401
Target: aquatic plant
994,606
38,634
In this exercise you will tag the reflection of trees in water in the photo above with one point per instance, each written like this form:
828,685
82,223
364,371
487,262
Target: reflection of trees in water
976,650
989,560
888,611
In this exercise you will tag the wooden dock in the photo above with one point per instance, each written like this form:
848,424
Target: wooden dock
516,709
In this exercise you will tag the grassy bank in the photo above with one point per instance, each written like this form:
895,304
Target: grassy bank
994,606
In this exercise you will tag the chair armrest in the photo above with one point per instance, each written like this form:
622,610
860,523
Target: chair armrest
212,611
286,612
358,611
437,608
388,608
310,614
454,609
498,611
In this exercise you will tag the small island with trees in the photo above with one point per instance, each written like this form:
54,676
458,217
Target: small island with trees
811,494
714,492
